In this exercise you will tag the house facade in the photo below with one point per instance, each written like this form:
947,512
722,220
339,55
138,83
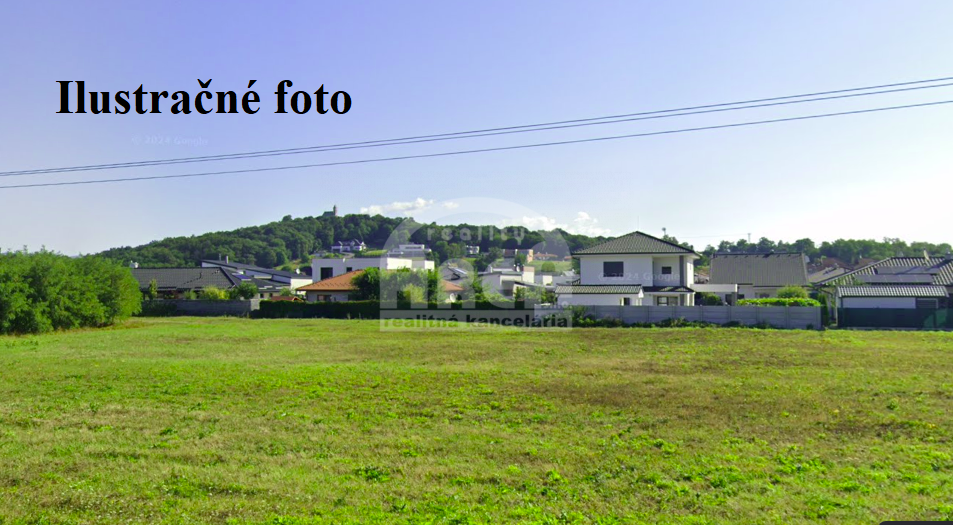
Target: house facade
351,246
634,269
339,288
326,267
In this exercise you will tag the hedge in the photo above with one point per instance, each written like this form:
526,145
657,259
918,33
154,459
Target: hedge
775,301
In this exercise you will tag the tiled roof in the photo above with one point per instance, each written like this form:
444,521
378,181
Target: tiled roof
343,283
940,271
451,287
635,242
668,289
599,289
252,267
184,278
338,283
825,274
892,291
758,269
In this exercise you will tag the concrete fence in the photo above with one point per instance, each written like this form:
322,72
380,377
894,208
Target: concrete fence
802,317
239,308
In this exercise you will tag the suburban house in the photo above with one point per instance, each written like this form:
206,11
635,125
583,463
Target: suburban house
351,246
175,283
292,280
503,279
756,275
409,250
326,267
633,269
339,287
896,282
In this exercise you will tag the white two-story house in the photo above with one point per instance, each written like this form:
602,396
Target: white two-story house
634,269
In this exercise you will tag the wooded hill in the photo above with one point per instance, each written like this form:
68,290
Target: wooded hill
278,243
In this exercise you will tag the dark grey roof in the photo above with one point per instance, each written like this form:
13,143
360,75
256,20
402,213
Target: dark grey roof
664,289
826,273
938,271
598,288
892,291
184,278
252,267
758,269
635,242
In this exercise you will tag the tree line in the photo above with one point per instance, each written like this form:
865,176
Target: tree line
279,243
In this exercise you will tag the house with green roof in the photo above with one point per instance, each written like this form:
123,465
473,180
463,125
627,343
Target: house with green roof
634,269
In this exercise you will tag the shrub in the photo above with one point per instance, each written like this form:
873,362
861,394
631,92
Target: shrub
244,290
44,291
792,292
213,293
708,299
778,301
547,267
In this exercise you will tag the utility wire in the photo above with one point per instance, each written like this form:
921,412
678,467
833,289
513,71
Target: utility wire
614,119
482,150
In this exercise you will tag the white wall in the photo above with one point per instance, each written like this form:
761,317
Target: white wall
878,302
637,269
312,297
596,299
339,265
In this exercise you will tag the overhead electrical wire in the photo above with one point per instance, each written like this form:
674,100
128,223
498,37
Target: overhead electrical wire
481,150
613,119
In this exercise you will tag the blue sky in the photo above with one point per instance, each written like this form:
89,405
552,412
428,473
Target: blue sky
418,68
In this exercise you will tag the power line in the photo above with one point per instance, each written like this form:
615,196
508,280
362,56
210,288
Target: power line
482,150
614,119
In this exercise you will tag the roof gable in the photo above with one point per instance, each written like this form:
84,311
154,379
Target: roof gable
635,243
183,278
759,269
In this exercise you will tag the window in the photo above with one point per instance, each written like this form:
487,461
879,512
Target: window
348,269
626,301
612,269
327,273
666,301
741,296
666,270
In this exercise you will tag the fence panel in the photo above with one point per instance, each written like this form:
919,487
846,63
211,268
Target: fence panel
804,317
910,318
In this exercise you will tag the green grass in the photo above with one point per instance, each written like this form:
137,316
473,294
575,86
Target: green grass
287,422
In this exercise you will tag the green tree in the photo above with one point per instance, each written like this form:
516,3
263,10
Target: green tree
245,290
548,267
213,293
153,292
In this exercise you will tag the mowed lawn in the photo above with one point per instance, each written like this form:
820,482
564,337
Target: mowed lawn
318,421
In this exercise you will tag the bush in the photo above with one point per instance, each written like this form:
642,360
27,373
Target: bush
44,291
547,267
213,293
777,301
792,292
708,299
244,290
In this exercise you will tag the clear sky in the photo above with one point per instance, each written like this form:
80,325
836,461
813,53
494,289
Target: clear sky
419,68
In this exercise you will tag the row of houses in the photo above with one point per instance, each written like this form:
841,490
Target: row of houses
634,269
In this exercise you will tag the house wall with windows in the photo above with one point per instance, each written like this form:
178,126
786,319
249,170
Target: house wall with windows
635,269
327,267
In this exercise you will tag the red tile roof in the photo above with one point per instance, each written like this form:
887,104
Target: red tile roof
338,283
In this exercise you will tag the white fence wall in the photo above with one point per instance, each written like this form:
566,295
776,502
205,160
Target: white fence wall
802,317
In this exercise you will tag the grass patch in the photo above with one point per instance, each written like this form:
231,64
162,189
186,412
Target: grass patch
184,420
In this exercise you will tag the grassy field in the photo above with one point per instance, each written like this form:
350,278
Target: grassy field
283,421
